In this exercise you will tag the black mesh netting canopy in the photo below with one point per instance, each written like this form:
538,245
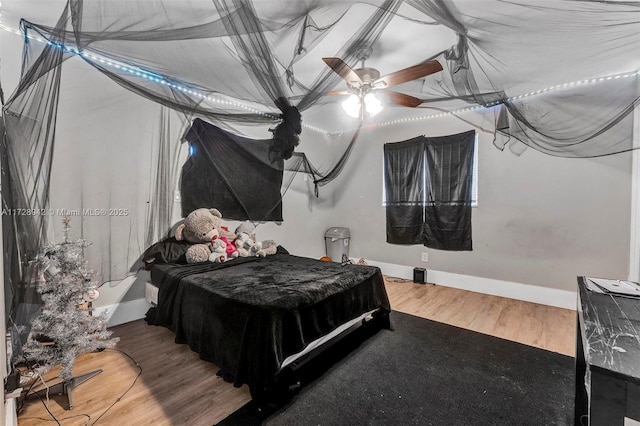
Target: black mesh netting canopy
560,77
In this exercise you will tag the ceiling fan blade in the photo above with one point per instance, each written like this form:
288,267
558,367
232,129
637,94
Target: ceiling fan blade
341,68
338,92
408,74
401,99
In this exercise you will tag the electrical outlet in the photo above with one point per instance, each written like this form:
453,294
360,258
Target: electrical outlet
425,257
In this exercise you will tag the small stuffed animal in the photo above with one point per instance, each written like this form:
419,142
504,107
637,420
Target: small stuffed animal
202,227
230,249
218,251
244,244
264,248
245,239
247,244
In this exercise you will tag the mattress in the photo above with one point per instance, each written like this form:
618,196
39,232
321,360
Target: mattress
151,293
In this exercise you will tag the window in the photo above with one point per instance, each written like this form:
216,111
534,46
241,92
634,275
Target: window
429,190
474,183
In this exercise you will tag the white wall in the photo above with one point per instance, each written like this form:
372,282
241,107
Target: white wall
541,220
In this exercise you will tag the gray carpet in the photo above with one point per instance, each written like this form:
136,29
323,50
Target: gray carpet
426,373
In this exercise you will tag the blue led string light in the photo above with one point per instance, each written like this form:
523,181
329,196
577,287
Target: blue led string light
139,72
148,75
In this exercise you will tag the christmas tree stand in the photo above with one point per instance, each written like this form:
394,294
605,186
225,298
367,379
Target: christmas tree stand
65,387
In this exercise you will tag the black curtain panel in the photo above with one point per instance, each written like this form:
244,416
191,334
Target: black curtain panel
231,173
449,177
405,187
428,183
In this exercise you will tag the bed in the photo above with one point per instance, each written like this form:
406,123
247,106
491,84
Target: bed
253,317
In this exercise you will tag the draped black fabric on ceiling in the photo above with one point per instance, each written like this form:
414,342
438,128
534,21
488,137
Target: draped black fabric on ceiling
232,174
428,183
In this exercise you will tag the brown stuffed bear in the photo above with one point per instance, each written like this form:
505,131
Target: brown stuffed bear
202,227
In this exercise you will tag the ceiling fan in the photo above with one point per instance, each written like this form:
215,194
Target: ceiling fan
365,82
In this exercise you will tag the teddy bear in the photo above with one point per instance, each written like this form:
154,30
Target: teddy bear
203,227
264,248
218,251
245,239
247,245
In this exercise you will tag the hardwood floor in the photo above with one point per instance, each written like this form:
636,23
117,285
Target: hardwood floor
533,324
177,388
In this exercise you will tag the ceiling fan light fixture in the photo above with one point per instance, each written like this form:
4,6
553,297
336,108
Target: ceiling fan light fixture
365,80
351,106
372,104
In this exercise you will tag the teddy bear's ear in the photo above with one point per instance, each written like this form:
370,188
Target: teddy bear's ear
179,232
246,227
216,212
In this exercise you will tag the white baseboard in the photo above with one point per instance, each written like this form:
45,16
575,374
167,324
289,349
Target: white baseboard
512,290
124,311
10,414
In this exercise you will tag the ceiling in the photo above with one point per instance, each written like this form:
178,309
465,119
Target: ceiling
410,38
515,47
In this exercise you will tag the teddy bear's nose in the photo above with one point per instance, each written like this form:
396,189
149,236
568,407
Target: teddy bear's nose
214,237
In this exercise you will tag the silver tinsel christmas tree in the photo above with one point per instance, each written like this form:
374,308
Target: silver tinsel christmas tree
64,329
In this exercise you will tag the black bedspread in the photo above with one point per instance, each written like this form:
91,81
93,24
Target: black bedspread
248,315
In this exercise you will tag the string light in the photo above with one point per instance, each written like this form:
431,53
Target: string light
156,78
492,104
139,72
